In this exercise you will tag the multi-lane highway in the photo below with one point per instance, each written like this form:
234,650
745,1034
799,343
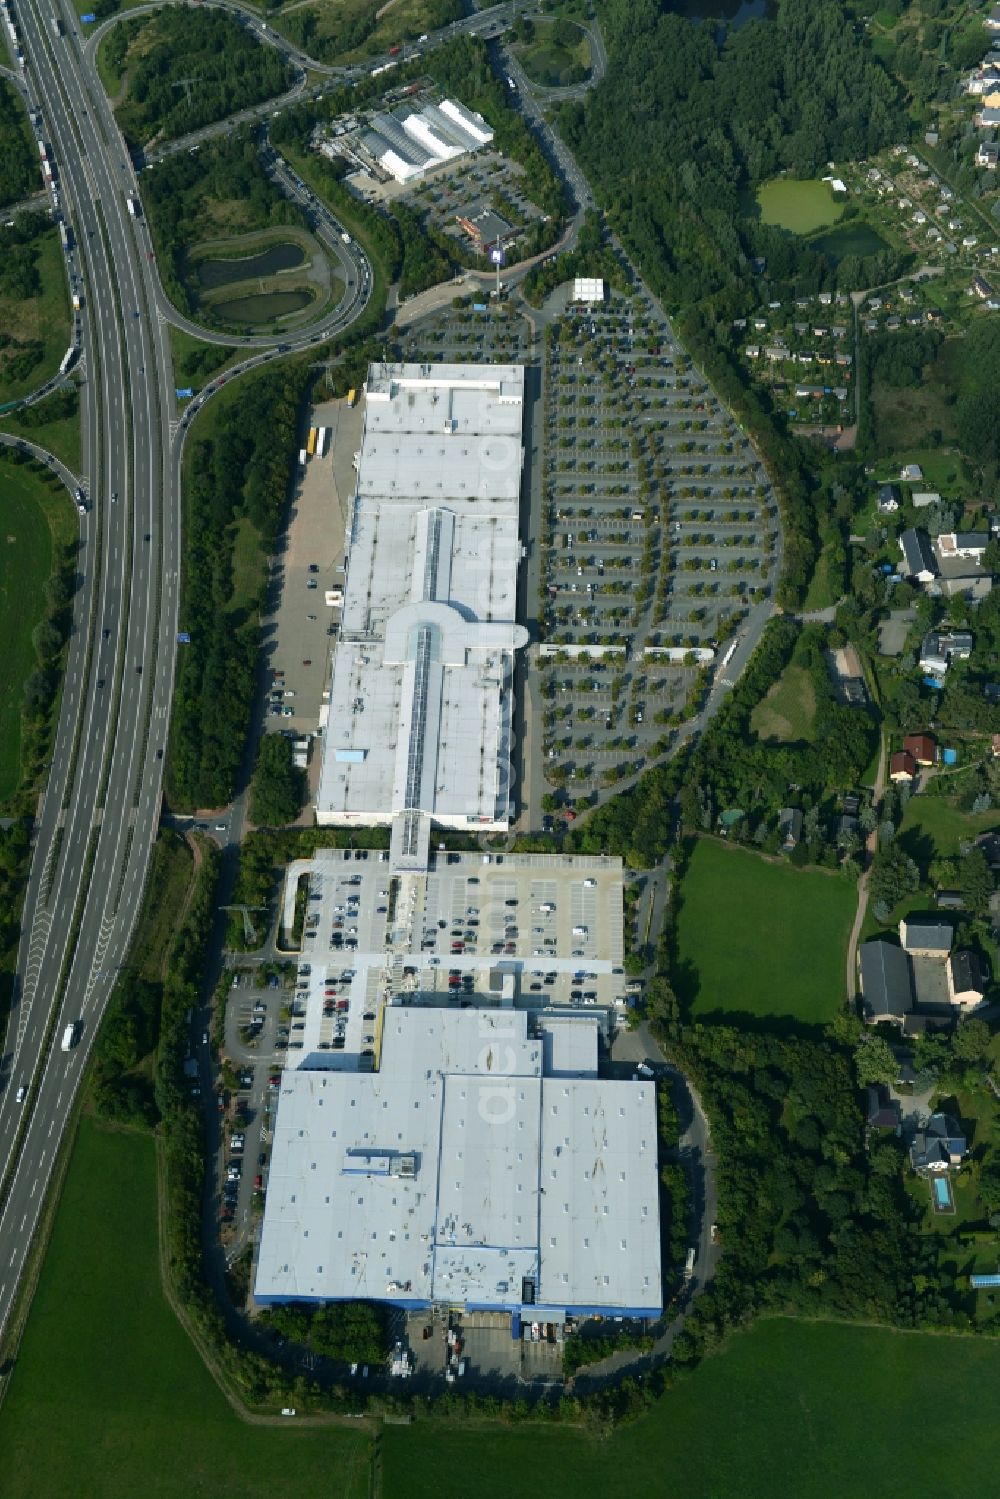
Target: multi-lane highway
100,811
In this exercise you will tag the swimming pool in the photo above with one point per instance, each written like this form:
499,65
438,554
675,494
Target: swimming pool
943,1199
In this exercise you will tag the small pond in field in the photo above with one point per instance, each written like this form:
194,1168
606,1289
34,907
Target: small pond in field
283,257
855,238
261,309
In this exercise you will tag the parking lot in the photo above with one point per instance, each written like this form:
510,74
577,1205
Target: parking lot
553,926
258,1013
298,633
498,334
658,527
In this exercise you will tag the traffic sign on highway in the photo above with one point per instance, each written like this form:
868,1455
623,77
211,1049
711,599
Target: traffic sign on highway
183,638
496,255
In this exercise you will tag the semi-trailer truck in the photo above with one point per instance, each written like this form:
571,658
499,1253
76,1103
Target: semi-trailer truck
69,1036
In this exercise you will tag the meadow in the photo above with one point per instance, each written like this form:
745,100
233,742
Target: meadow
756,936
788,712
813,1410
108,1397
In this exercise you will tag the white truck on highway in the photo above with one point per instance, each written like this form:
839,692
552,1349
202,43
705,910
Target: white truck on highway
69,1036
134,206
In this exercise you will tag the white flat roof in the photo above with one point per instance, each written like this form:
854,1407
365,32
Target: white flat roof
457,1172
420,697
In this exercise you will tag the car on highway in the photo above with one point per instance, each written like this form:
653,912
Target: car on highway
20,1095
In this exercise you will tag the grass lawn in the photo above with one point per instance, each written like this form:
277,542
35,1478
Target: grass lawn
814,1410
936,820
40,324
109,1398
788,712
800,207
249,565
759,937
196,361
61,436
35,518
821,593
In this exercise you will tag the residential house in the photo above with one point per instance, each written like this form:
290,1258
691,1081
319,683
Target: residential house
884,981
988,155
995,746
992,21
966,980
968,545
949,900
922,747
940,647
902,766
987,119
753,351
790,827
989,844
918,556
924,498
925,936
911,473
881,1111
939,1146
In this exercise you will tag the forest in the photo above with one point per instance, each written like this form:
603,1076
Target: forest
813,1222
707,125
278,784
239,469
186,68
182,196
19,174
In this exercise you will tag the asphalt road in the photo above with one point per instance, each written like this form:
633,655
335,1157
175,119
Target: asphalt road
99,815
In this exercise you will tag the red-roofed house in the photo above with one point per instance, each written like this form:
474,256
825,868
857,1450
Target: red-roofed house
921,747
902,766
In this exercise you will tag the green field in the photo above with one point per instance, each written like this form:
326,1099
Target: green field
787,714
34,519
758,937
810,1410
799,207
109,1399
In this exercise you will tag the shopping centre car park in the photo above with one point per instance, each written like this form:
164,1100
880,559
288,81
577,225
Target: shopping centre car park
547,927
661,533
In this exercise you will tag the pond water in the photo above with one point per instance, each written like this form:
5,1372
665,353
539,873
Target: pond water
283,257
733,13
261,309
855,238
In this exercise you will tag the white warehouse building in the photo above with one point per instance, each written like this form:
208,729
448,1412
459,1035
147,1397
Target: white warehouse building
421,693
482,1166
407,142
